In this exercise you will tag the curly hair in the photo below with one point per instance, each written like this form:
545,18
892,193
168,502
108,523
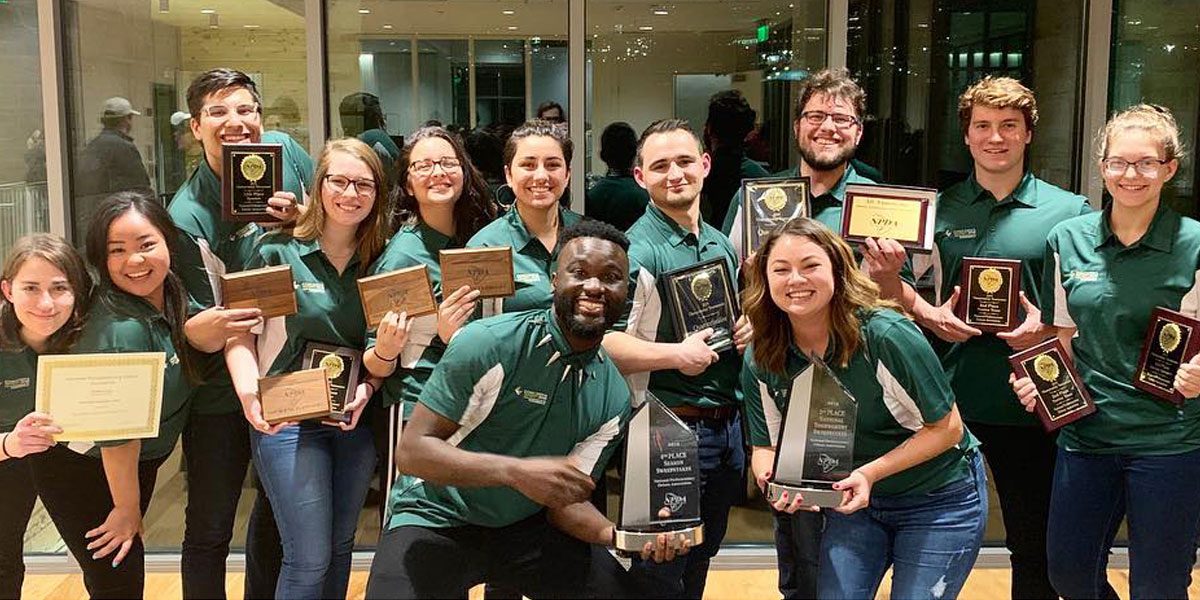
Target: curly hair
474,207
997,92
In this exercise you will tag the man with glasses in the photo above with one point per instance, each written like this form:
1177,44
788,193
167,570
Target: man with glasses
225,109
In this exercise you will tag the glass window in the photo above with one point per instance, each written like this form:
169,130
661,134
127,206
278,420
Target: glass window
1155,58
24,207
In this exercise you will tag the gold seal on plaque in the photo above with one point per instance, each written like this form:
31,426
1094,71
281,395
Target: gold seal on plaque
333,366
990,280
253,168
1046,367
702,286
1169,337
774,199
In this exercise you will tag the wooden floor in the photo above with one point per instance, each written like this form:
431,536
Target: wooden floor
984,584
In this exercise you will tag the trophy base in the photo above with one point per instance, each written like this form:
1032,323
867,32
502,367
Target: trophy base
825,498
633,541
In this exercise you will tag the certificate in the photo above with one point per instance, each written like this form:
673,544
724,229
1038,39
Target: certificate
99,397
904,214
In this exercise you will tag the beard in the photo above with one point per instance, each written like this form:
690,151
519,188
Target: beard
564,310
827,163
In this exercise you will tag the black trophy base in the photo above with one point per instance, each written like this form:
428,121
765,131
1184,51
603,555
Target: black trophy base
825,498
632,542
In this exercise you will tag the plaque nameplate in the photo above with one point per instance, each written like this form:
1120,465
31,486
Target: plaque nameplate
769,203
990,293
1172,339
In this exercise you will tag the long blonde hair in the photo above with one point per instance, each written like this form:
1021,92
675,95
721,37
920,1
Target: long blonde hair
853,292
373,231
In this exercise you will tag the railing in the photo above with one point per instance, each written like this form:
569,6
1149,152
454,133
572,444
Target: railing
24,208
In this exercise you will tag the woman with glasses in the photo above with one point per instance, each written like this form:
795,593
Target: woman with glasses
315,473
442,201
1137,457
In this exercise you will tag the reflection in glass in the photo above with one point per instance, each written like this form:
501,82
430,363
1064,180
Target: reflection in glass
23,203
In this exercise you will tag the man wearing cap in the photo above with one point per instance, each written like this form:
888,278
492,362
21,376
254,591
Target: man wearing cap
110,162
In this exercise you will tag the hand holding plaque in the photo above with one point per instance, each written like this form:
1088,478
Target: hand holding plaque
251,174
904,214
1172,339
405,290
342,368
699,297
294,396
269,289
991,289
768,203
489,270
1061,397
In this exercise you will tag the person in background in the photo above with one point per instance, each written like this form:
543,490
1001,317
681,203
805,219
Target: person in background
551,111
730,120
617,199
110,162
362,117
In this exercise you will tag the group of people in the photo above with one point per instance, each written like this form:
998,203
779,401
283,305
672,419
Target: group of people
492,421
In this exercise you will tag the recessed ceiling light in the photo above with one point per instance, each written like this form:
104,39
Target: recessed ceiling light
250,26
364,11
662,12
509,12
646,28
387,25
207,11
512,27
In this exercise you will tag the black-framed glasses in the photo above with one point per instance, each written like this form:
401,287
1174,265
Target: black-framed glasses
816,118
1115,165
362,187
424,168
221,111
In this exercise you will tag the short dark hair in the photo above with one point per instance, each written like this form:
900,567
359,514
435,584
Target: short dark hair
218,80
835,83
360,112
594,229
539,128
730,118
618,146
666,126
549,104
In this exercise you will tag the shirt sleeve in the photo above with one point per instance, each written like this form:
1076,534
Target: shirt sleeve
467,381
1053,294
642,296
915,388
763,415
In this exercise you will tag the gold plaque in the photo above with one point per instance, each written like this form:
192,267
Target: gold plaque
702,286
405,290
775,199
295,396
899,213
990,280
489,270
1046,367
253,168
333,366
269,289
1169,337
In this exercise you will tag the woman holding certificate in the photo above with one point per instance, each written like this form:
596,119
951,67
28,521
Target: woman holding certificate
316,474
46,290
97,492
442,201
916,495
1138,456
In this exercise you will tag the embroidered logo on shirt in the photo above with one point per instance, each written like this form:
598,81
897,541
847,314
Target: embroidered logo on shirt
309,286
531,395
961,234
528,277
246,231
1085,275
174,360
16,384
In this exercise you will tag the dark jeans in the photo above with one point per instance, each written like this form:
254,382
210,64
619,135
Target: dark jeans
217,450
722,462
75,492
1022,463
1093,493
530,555
17,496
798,551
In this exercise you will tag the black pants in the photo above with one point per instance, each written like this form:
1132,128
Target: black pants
385,427
531,556
75,492
1022,464
798,549
217,450
17,496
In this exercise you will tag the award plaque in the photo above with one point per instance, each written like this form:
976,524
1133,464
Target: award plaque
701,296
1061,397
406,290
294,396
661,489
269,289
342,368
770,202
101,397
489,270
1172,339
991,290
815,448
251,174
904,214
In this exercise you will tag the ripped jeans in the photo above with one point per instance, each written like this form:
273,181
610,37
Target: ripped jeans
930,539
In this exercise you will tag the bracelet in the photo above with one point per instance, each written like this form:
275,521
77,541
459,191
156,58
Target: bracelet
4,446
386,360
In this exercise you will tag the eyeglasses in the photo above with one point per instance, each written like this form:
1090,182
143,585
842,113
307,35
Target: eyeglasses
362,187
816,118
1146,166
221,112
424,168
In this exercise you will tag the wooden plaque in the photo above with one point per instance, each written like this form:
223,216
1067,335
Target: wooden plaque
405,290
1172,339
269,289
251,174
1061,399
294,396
991,293
489,270
904,214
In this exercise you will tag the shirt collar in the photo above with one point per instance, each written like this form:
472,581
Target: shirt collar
563,353
675,234
519,234
838,191
125,303
313,246
1159,236
432,237
1024,194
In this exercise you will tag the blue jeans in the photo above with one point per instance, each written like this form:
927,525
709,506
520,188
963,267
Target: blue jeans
931,541
1093,493
722,461
316,478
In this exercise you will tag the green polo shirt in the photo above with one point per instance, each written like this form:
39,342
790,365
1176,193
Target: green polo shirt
970,222
1107,290
826,208
328,308
18,383
119,322
899,385
210,247
658,245
515,387
414,244
617,199
532,264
